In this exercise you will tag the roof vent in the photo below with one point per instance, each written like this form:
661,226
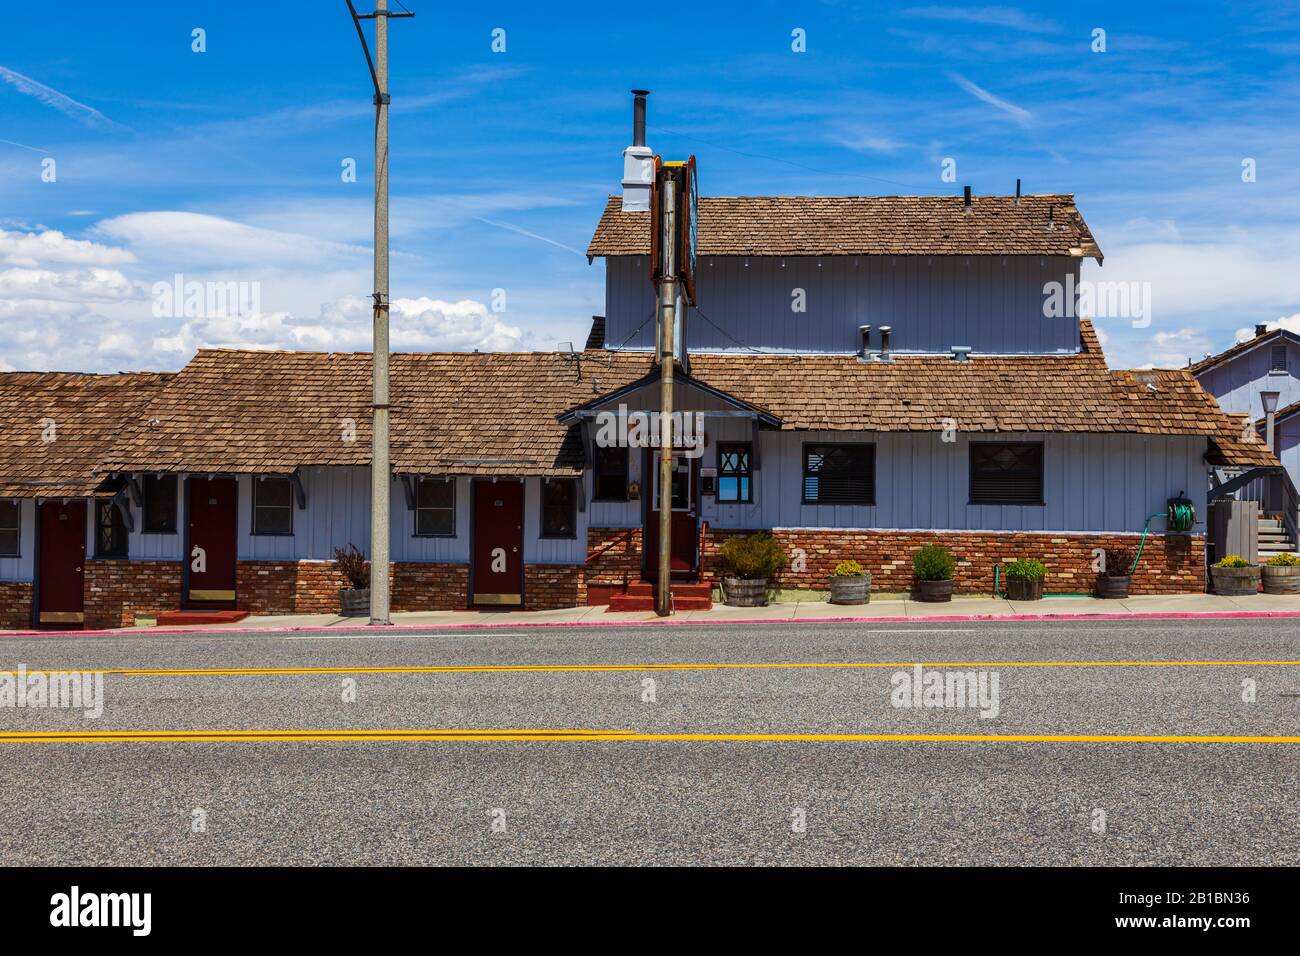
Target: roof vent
1260,330
961,353
966,200
638,160
1017,192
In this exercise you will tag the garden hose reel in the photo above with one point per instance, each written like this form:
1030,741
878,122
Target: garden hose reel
1181,515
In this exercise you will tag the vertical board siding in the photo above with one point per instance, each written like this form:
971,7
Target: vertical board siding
337,514
441,550
1238,382
994,304
22,568
1102,483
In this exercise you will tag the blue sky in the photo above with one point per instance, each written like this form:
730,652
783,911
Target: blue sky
225,164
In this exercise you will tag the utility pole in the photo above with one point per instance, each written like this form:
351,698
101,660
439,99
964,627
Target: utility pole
380,479
669,267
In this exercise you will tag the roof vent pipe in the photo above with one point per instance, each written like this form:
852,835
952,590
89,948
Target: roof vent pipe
966,202
884,341
961,353
1017,191
638,116
865,332
1260,330
638,160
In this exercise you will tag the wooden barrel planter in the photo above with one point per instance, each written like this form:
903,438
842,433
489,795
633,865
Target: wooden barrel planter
1113,586
1235,582
934,592
1024,589
354,602
744,592
851,589
1283,579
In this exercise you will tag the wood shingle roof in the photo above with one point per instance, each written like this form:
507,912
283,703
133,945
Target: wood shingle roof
1048,225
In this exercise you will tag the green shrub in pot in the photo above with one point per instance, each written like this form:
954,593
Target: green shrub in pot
1024,577
850,584
746,562
933,566
1234,576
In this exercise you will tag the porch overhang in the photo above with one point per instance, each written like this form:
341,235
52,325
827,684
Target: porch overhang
732,407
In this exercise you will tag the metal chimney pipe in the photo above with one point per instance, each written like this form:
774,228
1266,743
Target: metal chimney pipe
865,332
967,202
1260,330
638,116
1017,191
884,340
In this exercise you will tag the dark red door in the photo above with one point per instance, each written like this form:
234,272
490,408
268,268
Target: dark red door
682,559
213,509
497,551
61,575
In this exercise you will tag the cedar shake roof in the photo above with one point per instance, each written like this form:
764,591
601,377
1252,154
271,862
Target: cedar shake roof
1180,404
1047,225
451,412
83,414
1209,362
232,411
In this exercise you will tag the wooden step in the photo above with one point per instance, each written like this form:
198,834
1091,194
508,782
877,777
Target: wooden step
183,618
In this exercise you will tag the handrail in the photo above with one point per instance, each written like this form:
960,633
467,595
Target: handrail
627,533
1290,507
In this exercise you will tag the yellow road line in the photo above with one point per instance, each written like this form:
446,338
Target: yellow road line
286,736
578,668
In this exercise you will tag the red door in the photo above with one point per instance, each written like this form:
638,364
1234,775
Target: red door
683,556
61,574
213,508
497,551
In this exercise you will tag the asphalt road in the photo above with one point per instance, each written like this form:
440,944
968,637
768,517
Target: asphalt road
635,793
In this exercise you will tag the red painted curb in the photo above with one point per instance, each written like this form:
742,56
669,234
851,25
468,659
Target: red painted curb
892,619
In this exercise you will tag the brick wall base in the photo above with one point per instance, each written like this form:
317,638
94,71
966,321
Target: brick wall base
430,587
287,587
1171,564
117,591
550,586
15,605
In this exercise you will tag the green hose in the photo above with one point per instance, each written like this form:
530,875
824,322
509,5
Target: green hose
1180,517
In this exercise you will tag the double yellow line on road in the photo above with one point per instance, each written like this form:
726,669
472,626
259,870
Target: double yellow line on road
583,668
597,736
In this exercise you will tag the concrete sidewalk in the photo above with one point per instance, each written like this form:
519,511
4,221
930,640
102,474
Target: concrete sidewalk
886,610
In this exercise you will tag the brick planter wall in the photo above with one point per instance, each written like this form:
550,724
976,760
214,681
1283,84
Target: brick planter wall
15,605
613,561
548,586
116,591
287,587
1170,564
430,587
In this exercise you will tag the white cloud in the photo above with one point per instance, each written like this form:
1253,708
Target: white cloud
1017,113
344,325
189,237
1289,322
86,115
33,249
1173,349
90,285
1008,17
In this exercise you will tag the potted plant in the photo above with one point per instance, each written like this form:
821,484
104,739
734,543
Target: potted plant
933,567
1116,574
354,600
1025,579
1233,575
850,584
747,562
1282,574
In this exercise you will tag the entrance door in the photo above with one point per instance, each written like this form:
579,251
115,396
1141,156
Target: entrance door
683,559
210,550
61,573
496,571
